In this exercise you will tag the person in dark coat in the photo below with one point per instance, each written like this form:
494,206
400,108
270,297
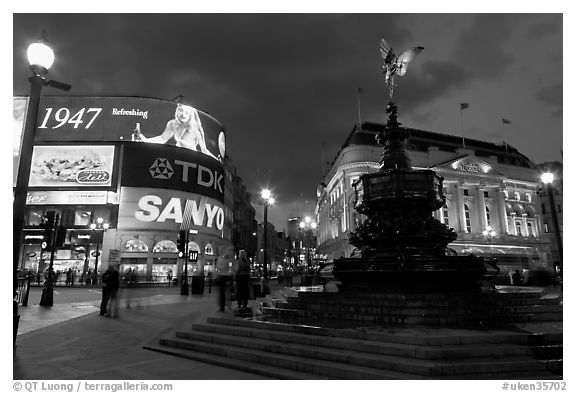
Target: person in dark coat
242,280
110,285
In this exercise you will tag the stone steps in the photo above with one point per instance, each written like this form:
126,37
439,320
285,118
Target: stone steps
300,352
375,347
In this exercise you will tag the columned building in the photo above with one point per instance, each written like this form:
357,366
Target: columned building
492,195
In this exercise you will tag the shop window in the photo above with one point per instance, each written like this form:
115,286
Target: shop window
468,221
82,217
34,216
165,246
135,245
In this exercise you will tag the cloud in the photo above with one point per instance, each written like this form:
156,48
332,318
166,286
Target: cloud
552,96
482,48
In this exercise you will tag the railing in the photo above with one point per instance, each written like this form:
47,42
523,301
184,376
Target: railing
22,291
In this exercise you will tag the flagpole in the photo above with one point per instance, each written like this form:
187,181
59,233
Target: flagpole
359,115
462,127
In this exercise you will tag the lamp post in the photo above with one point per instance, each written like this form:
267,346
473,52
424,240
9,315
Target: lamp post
489,233
267,200
548,178
307,225
101,227
40,56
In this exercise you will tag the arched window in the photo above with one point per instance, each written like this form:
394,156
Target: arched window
209,250
135,245
488,216
165,246
468,222
445,217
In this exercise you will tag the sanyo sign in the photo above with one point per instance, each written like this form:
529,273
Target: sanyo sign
198,212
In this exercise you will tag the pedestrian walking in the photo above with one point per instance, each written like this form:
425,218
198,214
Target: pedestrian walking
110,284
242,280
224,274
69,277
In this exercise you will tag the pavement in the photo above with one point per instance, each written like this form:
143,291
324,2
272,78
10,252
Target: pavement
73,342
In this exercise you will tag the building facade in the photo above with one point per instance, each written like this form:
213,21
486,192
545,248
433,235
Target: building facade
492,195
146,168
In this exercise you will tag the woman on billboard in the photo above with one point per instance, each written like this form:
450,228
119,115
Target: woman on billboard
186,129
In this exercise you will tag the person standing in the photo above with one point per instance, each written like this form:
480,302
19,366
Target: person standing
242,280
110,284
224,273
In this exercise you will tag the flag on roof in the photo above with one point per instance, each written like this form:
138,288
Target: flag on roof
506,121
464,105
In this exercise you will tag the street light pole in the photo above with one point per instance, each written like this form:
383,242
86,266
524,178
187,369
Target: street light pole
266,240
548,179
40,57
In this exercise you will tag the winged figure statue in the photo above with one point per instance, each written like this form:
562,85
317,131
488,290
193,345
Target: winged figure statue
396,65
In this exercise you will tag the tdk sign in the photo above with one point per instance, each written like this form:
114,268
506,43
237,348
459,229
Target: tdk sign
170,167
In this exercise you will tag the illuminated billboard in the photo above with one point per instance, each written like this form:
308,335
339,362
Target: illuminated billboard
72,166
20,105
145,165
134,119
156,209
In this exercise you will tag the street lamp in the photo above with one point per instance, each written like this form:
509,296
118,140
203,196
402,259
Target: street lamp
40,57
548,178
101,227
307,225
267,200
489,233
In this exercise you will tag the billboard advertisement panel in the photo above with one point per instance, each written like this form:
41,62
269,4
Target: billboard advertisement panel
154,166
72,166
67,198
155,209
129,119
20,106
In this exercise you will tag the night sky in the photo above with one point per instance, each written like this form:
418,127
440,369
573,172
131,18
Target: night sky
284,85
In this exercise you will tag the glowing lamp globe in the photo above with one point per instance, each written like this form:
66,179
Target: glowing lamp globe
547,178
40,56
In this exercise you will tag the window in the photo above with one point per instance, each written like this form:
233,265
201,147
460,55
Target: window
519,228
82,217
487,215
528,197
165,246
530,229
517,196
485,194
546,230
506,194
543,209
465,191
135,245
445,215
468,222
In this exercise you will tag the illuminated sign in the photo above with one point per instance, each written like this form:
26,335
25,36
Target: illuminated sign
151,208
173,168
468,165
67,198
72,166
20,105
129,119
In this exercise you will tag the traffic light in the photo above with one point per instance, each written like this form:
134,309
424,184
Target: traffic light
49,221
182,244
60,236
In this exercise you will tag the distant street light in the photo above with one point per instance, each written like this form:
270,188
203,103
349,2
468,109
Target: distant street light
548,179
102,226
40,57
306,225
267,200
489,233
